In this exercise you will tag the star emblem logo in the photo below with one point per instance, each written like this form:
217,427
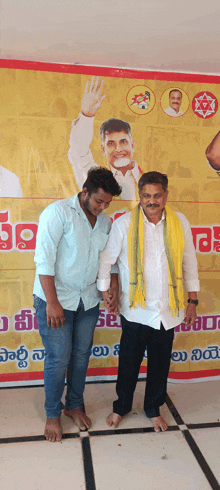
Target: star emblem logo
205,105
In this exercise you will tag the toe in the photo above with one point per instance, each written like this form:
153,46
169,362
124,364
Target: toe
59,437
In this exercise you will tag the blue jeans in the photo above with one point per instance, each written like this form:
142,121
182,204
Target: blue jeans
66,348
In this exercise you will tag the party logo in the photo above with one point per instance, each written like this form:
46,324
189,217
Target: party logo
205,105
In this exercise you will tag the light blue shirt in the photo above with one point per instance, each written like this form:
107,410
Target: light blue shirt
68,248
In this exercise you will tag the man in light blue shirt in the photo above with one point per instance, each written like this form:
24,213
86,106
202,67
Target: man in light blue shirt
71,234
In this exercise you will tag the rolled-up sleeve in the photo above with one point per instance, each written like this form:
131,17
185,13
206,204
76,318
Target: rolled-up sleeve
190,270
108,258
50,231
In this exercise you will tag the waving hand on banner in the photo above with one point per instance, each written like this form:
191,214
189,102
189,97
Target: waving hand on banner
92,98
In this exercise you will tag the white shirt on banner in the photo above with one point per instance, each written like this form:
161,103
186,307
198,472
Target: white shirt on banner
171,112
9,184
81,159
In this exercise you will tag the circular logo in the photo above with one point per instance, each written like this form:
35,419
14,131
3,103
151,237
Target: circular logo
205,105
140,99
174,102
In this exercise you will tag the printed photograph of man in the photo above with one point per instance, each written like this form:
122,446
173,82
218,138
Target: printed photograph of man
213,154
175,100
9,184
117,144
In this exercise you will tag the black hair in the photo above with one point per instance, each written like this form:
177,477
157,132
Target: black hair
153,178
114,125
175,90
102,178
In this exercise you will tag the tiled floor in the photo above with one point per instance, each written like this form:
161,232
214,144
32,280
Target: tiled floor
132,457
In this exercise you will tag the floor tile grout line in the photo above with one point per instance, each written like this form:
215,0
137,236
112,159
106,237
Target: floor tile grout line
12,440
193,446
106,432
204,425
178,419
134,430
82,434
201,460
88,464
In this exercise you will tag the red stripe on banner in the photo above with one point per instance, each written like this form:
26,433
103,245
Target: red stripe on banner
109,71
195,374
22,376
110,371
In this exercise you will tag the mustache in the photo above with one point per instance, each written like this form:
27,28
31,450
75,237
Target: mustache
152,206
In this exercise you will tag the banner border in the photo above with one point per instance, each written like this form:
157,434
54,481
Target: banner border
110,71
110,371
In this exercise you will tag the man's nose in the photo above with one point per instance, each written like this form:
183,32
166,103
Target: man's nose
118,146
152,200
103,206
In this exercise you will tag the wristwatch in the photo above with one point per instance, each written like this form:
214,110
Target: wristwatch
193,301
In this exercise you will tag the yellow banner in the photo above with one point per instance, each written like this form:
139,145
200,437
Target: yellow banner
46,148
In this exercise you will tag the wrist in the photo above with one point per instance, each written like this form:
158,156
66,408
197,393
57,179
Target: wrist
87,114
52,302
192,295
193,301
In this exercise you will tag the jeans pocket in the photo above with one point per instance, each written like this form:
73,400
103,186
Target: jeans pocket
37,302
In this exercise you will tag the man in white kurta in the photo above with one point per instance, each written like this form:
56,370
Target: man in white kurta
152,326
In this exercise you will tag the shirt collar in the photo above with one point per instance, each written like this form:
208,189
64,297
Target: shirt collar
149,222
74,203
134,170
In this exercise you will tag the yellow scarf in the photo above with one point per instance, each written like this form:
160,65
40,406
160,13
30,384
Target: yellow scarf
174,245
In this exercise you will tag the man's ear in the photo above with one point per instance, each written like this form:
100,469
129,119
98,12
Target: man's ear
84,192
103,149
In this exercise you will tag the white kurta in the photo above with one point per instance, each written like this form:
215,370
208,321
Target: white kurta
155,271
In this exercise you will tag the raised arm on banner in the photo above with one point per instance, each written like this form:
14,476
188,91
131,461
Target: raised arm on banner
92,97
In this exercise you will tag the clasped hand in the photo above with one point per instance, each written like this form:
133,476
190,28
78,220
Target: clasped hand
110,298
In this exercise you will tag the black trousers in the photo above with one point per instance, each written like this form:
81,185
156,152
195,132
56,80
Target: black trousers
134,340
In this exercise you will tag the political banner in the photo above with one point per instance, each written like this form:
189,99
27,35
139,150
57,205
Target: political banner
47,145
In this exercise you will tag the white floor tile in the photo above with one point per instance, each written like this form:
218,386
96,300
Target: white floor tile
121,461
42,466
23,414
145,461
98,403
196,402
208,441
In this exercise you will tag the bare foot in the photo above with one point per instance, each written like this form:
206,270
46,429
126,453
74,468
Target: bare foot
53,430
159,424
79,418
113,419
